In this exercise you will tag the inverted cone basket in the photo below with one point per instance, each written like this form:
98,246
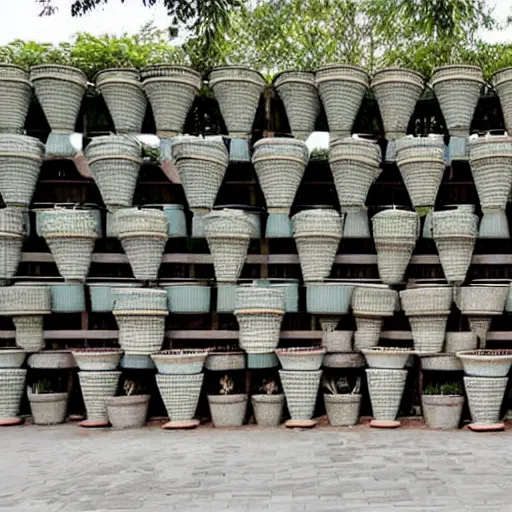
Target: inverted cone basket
11,240
15,94
502,81
180,394
300,389
96,387
12,384
368,331
428,332
485,396
386,388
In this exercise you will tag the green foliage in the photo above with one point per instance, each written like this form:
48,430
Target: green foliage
43,386
446,388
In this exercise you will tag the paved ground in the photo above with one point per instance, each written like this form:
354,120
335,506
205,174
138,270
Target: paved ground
66,468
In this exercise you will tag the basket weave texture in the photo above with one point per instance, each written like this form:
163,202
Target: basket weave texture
15,97
11,240
422,301
502,81
480,299
368,332
96,387
300,389
12,384
180,394
29,332
485,396
386,388
374,301
25,299
428,332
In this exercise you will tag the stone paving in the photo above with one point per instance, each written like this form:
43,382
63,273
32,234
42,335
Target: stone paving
66,468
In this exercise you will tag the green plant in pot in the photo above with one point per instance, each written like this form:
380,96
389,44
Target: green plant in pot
129,410
442,404
342,403
48,403
268,403
227,407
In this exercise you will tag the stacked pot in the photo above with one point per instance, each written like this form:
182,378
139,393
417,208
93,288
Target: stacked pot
502,83
12,231
280,164
16,94
12,384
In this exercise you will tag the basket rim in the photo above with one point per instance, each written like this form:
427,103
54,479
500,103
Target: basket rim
60,66
388,69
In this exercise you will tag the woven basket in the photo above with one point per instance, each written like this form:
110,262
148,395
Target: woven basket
297,90
502,82
29,332
336,341
122,91
355,165
127,411
201,164
140,333
374,301
12,384
386,388
180,361
11,358
424,301
225,361
180,394
280,165
139,299
238,90
482,299
15,97
368,332
300,358
11,240
60,90
341,89
428,332
228,233
259,329
260,297
171,91
114,162
397,90
300,389
20,162
490,158
485,396
96,387
457,89
97,359
102,298
460,341
26,299
317,234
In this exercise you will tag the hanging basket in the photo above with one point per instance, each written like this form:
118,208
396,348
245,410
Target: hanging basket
355,165
15,97
485,396
386,388
12,385
238,90
180,394
114,162
96,387
143,235
11,240
397,90
502,82
297,90
171,90
342,89
425,301
300,389
122,91
317,234
457,89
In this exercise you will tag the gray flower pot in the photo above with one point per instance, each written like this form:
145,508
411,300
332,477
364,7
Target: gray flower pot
442,411
127,411
228,410
342,410
48,408
268,409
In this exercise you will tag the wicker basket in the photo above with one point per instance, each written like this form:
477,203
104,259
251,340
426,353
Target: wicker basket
142,332
368,331
60,90
24,298
317,234
180,361
300,389
374,301
171,91
12,384
139,299
96,387
341,89
97,359
475,300
428,332
15,97
122,91
259,329
342,410
114,162
180,394
280,165
268,409
397,90
222,361
127,411
355,165
228,233
238,90
336,341
11,240
260,297
425,301
386,388
485,396
11,358
457,89
102,298
460,341
297,90
29,332
502,82
301,358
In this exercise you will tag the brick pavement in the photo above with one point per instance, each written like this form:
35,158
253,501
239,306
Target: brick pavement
66,468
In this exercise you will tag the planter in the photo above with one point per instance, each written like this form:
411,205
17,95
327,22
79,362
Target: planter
94,359
486,363
344,360
52,360
482,299
268,409
96,387
114,162
341,89
48,408
29,332
330,298
387,357
485,396
335,341
253,213
180,361
317,234
127,411
442,411
25,298
386,388
137,362
342,410
494,224
102,296
12,384
460,341
188,297
440,363
262,360
67,297
428,332
300,359
502,82
225,361
11,358
426,300
139,299
228,410
141,333
16,93
300,389
356,223
122,91
297,90
11,239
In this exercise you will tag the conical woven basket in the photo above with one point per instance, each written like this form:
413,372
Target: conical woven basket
300,389
143,235
238,90
15,97
502,82
202,165
355,165
341,89
457,89
425,301
228,233
280,164
122,91
141,333
12,384
70,235
368,331
421,161
386,388
11,240
60,90
317,234
491,165
297,90
180,394
485,396
397,90
114,162
20,163
171,91
29,332
96,387
428,332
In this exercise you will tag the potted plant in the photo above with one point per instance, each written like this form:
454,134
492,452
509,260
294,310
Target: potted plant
129,410
268,404
47,402
442,405
341,403
227,407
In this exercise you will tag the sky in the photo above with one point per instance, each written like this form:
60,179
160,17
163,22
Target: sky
22,21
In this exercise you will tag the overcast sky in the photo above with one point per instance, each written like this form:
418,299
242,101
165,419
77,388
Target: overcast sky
21,21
